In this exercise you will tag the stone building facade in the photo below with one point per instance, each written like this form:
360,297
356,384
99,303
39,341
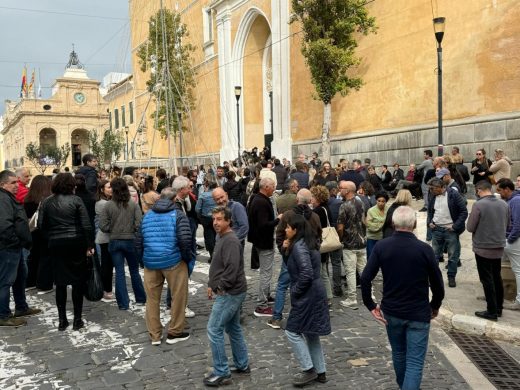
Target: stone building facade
250,43
74,109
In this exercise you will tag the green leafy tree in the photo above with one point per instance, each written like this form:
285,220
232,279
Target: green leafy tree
107,147
43,158
168,59
330,29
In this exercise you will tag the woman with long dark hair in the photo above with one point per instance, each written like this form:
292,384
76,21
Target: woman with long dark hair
149,195
309,315
39,265
103,195
480,167
121,218
64,220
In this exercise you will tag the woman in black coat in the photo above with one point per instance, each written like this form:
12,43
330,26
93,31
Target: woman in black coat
232,187
39,264
64,219
309,315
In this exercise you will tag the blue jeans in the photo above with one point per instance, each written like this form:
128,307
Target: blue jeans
281,290
370,246
225,316
119,250
409,342
13,273
442,237
308,351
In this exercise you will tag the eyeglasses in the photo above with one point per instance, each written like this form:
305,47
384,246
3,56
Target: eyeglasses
479,154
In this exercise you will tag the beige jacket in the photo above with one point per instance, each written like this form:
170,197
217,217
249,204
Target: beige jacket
501,168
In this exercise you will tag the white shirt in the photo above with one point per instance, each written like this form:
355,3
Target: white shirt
441,215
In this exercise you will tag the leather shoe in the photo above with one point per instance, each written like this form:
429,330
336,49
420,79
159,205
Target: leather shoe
486,315
62,325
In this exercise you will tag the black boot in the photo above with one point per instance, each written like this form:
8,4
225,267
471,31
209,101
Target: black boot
78,324
62,316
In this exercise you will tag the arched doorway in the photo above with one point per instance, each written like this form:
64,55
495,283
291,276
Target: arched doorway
47,140
253,71
79,145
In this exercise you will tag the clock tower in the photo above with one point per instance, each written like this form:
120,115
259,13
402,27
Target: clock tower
75,109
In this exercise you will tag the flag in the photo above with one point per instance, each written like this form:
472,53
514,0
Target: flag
31,84
23,89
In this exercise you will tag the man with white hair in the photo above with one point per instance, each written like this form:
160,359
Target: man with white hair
409,270
262,223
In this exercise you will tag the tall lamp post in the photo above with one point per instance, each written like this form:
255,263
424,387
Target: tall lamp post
438,28
238,93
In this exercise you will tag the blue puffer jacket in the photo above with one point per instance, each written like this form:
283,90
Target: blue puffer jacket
165,237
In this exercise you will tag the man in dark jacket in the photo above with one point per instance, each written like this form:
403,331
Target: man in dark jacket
90,163
227,280
409,269
301,174
14,238
281,174
262,222
336,257
165,239
447,213
352,175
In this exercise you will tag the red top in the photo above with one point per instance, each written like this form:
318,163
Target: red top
22,192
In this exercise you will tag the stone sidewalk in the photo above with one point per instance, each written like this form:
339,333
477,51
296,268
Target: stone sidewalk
113,350
461,302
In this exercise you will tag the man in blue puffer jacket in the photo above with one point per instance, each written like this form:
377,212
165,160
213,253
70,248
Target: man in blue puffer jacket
165,243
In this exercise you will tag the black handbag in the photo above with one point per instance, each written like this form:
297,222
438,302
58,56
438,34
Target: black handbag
94,287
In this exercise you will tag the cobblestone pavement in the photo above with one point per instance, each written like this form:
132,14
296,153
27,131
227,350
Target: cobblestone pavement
114,350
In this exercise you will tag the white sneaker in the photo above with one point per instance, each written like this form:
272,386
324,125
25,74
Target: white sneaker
42,292
350,303
158,342
188,313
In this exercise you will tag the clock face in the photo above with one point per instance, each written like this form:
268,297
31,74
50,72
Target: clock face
79,98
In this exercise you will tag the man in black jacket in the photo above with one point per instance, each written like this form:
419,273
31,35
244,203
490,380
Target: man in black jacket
447,213
262,223
409,269
14,238
281,175
90,163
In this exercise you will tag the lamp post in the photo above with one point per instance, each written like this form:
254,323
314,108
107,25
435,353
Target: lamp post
238,92
438,28
127,154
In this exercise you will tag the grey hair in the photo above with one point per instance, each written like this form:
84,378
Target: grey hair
179,183
304,196
168,193
266,181
404,218
19,171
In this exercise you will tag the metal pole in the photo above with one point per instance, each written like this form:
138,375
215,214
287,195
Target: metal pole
271,108
439,99
238,130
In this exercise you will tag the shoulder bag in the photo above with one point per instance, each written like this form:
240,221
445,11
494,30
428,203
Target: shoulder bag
329,238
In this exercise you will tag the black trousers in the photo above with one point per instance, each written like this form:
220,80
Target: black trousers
491,279
77,299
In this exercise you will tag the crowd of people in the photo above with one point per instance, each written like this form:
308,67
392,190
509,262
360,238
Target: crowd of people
52,231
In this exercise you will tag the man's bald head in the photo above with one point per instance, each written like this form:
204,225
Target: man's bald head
347,189
303,196
220,197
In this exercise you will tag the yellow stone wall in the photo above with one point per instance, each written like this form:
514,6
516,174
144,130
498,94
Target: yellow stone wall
481,47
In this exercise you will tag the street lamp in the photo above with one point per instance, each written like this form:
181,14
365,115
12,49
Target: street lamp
238,92
438,28
127,151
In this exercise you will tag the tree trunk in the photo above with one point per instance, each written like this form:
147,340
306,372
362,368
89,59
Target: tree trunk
325,132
